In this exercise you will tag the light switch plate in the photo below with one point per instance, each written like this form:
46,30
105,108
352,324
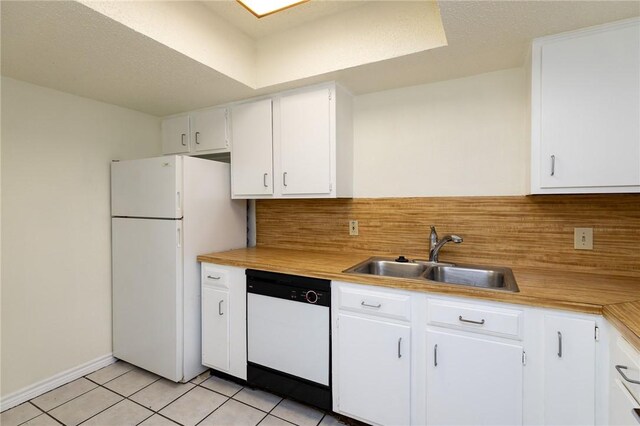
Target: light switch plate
353,227
583,238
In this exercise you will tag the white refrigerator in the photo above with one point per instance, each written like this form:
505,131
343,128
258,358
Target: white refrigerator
165,211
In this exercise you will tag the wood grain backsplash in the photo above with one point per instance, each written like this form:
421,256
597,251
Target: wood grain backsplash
531,231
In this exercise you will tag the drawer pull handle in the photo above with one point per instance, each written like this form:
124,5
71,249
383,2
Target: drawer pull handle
435,355
559,345
471,321
553,165
197,141
264,180
284,179
182,136
399,343
220,307
211,277
624,376
379,305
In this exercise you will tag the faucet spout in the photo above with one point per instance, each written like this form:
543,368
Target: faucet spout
435,252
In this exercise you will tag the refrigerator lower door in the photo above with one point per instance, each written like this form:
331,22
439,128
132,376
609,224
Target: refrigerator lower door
148,294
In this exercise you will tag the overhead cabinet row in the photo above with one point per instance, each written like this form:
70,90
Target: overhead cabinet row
196,133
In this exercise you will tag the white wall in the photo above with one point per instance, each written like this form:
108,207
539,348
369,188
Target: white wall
56,255
452,138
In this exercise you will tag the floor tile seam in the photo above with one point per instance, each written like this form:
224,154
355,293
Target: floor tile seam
201,420
230,399
41,413
163,416
174,400
152,411
125,396
30,403
105,409
274,415
110,380
212,390
66,402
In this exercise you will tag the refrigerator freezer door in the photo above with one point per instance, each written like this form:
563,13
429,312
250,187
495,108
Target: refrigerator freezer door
150,188
147,294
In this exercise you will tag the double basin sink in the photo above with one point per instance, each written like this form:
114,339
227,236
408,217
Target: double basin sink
487,277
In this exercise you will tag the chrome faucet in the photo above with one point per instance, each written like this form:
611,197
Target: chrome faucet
435,245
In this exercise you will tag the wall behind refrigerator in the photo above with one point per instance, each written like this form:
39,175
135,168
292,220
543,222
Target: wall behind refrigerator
56,239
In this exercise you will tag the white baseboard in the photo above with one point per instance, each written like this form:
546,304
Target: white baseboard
37,389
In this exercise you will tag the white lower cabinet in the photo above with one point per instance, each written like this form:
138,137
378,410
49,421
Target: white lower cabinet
569,370
473,380
624,383
371,354
224,319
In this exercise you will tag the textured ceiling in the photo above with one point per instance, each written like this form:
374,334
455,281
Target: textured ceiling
70,47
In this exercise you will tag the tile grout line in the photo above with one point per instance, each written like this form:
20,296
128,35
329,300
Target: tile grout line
60,405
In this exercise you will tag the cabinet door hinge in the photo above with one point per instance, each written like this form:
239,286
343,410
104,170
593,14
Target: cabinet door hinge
596,334
524,358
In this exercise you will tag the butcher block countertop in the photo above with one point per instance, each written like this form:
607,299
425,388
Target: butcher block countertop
617,298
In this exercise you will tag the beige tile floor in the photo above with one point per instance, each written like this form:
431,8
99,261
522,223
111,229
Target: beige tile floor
122,395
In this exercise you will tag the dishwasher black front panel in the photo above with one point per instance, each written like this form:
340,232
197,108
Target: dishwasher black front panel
289,287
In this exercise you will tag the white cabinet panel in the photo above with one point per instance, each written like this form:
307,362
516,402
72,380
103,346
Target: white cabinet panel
209,130
586,110
175,135
473,381
305,142
374,380
252,148
215,328
569,371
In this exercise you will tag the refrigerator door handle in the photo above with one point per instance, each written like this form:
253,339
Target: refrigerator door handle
179,237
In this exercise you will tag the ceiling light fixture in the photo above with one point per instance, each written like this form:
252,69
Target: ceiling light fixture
262,8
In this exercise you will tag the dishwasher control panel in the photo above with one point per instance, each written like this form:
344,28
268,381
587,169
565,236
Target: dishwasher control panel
313,291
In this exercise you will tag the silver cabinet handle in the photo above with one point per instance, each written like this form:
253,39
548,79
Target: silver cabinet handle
197,134
211,277
284,179
220,307
399,351
264,180
471,321
624,376
371,306
553,165
182,136
435,355
559,345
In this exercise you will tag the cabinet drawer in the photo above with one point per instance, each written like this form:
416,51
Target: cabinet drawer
476,318
212,276
371,302
624,355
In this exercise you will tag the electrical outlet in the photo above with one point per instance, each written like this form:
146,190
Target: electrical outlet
583,238
353,227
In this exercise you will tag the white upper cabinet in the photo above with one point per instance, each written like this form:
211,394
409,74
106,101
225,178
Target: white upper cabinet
586,110
209,130
251,157
199,132
305,142
312,146
175,135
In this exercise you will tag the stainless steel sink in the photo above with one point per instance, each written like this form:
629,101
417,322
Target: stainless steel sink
488,277
477,276
389,268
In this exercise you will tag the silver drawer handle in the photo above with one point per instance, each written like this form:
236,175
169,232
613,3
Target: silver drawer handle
559,345
182,136
624,376
197,134
220,307
471,321
553,165
264,180
284,179
211,277
399,343
435,355
379,305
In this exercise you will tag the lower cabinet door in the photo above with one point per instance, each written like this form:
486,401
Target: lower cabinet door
374,370
569,371
215,328
473,381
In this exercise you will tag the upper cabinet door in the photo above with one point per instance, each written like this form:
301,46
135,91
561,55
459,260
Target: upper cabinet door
251,156
586,111
209,130
305,129
175,135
